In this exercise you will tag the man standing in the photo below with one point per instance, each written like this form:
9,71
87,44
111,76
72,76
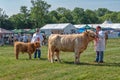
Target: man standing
25,38
37,36
99,45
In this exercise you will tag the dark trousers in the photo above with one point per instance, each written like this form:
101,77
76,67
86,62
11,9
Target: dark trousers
99,56
37,53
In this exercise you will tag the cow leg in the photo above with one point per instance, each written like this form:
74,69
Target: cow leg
76,58
57,55
17,54
29,55
51,55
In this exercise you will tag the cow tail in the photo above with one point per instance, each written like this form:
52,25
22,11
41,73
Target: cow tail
49,58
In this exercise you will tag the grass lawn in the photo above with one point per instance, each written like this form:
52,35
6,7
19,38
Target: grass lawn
35,69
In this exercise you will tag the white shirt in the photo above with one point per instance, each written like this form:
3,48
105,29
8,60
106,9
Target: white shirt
100,44
36,36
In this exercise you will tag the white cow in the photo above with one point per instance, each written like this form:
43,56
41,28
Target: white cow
71,43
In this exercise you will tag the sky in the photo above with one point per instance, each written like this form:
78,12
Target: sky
13,6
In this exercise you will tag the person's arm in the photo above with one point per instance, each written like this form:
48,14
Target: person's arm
33,38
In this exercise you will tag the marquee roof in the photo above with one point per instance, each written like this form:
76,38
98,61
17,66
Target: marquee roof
107,25
4,31
55,26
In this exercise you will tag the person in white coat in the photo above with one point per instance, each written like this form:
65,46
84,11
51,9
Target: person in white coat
99,44
37,36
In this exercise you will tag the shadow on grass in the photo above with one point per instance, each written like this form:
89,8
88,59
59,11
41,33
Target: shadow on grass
95,64
32,59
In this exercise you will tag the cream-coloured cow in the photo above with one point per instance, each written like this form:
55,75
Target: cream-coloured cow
69,43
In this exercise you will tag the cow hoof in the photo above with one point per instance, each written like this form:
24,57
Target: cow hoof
52,61
76,62
16,58
56,60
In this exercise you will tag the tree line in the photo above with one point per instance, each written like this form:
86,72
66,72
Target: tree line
39,15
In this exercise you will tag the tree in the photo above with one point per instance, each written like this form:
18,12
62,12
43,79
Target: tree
25,14
8,25
102,11
21,20
39,10
65,15
91,17
78,15
53,17
17,21
3,18
111,16
118,17
63,20
61,10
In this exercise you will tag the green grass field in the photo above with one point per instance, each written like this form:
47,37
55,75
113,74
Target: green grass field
35,69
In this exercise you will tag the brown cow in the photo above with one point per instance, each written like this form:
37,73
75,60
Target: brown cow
25,47
72,43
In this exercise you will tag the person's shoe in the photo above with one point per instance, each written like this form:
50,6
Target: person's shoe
95,61
101,62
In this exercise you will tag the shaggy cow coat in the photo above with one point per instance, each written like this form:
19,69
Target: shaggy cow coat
25,47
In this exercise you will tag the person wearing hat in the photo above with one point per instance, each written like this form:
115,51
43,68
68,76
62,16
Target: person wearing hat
37,36
99,44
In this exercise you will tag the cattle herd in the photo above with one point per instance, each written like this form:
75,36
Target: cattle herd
76,43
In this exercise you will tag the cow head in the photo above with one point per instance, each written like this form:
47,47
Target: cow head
37,44
91,34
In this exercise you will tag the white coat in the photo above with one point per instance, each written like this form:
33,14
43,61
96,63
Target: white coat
100,43
36,36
